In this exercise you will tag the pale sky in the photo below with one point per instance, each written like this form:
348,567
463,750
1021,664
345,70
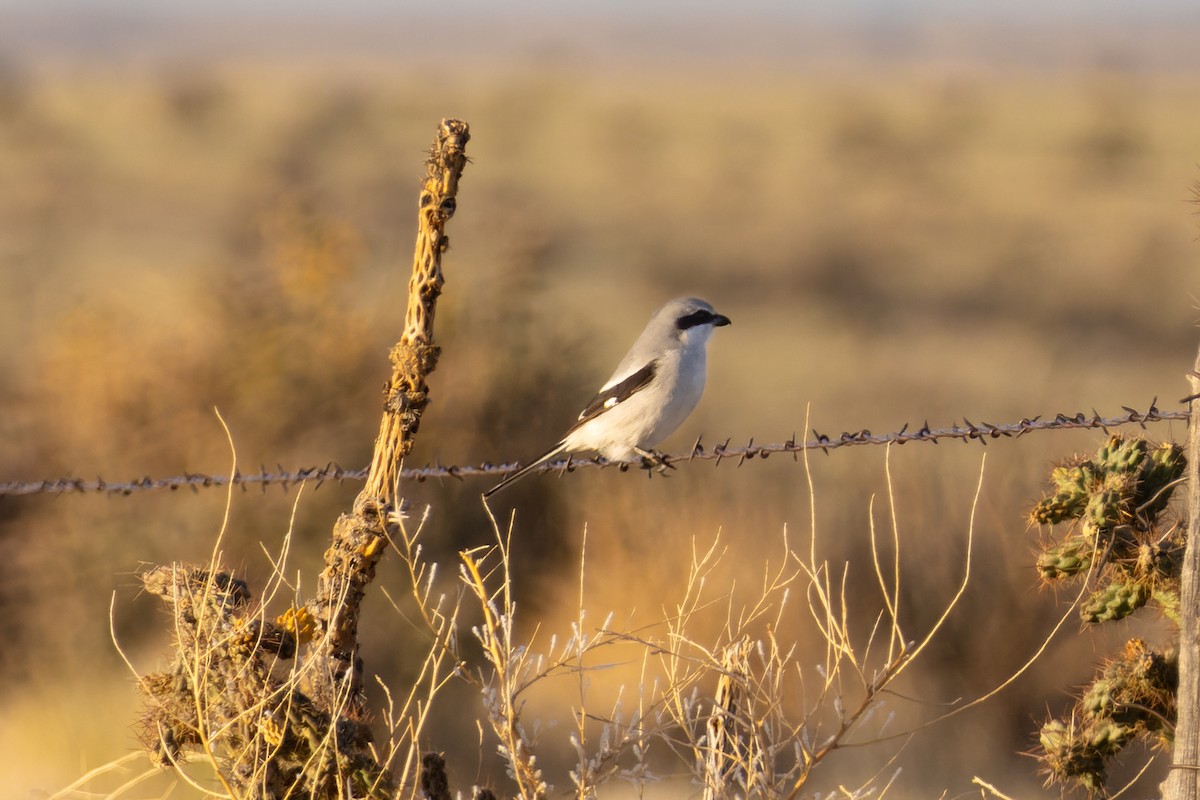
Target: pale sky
1146,34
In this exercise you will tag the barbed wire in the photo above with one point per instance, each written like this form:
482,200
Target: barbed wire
967,431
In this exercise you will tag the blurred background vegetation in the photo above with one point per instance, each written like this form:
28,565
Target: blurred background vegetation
909,216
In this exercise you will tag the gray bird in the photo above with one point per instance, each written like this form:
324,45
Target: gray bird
652,391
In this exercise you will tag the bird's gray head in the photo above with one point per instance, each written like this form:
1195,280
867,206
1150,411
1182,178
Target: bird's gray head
690,317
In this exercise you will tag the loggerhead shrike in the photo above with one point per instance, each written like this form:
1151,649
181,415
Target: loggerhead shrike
655,387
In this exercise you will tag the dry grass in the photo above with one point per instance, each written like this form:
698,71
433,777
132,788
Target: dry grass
732,707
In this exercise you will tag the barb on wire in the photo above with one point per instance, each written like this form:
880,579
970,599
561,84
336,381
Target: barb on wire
967,431
193,481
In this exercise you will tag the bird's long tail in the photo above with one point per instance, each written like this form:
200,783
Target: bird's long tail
558,449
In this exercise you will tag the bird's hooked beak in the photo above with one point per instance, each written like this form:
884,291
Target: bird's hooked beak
719,320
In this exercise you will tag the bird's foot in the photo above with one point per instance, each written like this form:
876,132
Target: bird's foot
654,460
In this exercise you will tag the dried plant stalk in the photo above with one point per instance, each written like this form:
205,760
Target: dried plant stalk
726,762
267,729
359,538
415,355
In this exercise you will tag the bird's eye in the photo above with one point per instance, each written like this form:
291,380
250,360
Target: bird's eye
693,319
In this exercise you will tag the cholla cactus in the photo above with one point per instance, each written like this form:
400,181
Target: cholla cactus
1073,484
1065,559
1133,695
1125,477
1114,499
1074,752
1115,601
1117,538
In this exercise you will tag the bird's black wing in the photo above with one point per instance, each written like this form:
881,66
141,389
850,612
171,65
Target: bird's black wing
617,394
608,398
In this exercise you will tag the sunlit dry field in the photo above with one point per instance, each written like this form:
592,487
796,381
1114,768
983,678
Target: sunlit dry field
892,248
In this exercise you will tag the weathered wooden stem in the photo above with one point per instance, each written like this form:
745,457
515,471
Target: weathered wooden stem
1183,782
